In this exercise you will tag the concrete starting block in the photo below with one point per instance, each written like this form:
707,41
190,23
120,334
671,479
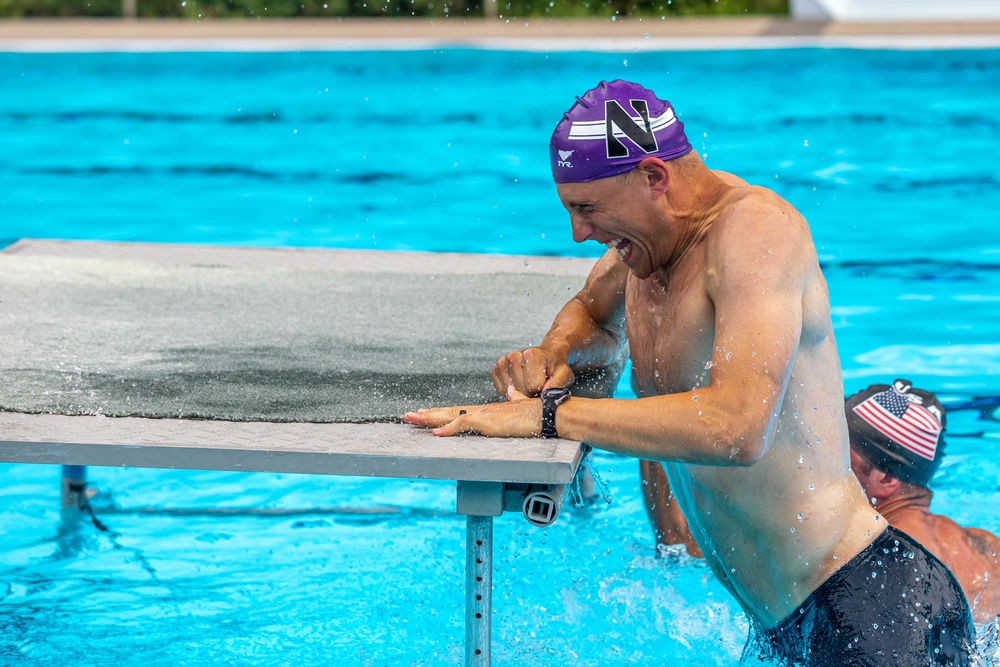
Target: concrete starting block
122,354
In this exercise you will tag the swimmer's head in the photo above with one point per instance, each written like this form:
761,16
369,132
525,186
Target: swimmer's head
611,129
898,429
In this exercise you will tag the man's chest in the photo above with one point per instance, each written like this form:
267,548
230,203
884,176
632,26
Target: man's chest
671,326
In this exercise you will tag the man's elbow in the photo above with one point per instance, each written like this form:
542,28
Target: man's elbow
745,457
742,447
741,431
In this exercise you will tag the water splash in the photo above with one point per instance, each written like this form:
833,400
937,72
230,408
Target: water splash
599,483
988,643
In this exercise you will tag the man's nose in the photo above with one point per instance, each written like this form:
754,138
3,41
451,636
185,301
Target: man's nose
581,230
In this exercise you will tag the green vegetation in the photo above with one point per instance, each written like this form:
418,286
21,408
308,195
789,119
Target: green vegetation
398,8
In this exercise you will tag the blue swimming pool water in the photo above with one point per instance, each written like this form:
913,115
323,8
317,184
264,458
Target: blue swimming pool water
890,154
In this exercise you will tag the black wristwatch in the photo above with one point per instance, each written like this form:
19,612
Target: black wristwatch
551,399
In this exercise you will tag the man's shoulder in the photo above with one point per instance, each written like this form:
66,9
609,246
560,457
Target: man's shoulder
730,179
985,543
753,215
757,200
937,530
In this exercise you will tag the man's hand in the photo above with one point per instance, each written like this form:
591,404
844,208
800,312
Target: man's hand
531,371
519,417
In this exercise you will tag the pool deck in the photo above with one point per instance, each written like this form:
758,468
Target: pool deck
532,34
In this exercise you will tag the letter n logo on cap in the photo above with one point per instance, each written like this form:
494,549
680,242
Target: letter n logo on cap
615,117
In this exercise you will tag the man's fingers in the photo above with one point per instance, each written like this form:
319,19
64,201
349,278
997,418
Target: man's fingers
560,376
433,417
534,365
441,421
454,427
501,376
515,395
530,371
521,370
518,418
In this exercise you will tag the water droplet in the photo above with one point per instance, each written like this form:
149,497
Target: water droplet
801,516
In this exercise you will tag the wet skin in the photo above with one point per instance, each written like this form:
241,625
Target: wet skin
714,289
972,554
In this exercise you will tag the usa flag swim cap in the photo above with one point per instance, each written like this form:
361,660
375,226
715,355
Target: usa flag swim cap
899,429
611,129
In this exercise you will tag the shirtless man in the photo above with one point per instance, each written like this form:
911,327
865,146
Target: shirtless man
895,467
894,456
715,290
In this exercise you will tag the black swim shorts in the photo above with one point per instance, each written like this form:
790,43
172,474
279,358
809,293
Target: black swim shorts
894,604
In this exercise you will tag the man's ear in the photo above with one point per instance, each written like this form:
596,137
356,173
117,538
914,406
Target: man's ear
884,484
656,175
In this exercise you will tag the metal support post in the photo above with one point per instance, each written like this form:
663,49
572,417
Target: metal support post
478,589
479,502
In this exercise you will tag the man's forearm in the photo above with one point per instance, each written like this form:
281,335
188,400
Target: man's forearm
584,343
716,428
669,524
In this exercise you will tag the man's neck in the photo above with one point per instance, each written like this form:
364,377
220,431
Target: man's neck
693,210
908,498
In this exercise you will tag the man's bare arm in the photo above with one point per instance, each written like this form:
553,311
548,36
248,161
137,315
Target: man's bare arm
757,268
586,335
758,262
669,524
987,602
987,544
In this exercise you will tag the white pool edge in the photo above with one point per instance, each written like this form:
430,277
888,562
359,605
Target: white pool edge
550,45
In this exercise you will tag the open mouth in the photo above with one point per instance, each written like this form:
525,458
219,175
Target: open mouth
622,246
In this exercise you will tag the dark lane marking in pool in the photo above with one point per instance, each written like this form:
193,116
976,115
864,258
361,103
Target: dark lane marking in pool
929,270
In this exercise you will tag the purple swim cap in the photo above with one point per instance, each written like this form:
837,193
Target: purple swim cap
611,129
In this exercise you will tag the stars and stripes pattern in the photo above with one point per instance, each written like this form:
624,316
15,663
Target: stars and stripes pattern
898,415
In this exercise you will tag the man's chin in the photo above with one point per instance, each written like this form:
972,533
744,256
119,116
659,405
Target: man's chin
637,270
639,273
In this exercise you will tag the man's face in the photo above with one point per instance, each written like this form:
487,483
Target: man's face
865,473
614,212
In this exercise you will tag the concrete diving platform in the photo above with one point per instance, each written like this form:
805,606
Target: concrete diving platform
281,360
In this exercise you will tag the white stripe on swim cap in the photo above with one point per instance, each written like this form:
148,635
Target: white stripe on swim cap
584,130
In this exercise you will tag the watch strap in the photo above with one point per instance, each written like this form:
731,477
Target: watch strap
552,399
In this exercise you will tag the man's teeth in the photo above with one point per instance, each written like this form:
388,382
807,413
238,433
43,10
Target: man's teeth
623,250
